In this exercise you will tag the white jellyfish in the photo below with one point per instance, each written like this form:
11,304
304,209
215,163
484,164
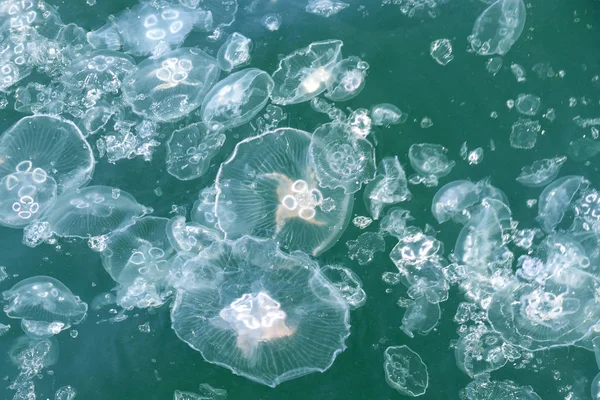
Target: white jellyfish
498,27
191,236
235,52
191,149
349,81
421,316
203,210
453,199
484,389
389,186
264,314
171,86
348,283
405,371
556,198
541,172
306,73
237,99
527,104
480,352
268,188
325,8
47,146
93,211
387,114
430,160
44,305
524,134
363,249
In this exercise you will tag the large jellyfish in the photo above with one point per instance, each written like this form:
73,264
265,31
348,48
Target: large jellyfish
264,314
268,188
498,27
235,52
44,305
405,371
306,73
171,86
556,198
237,99
541,172
453,199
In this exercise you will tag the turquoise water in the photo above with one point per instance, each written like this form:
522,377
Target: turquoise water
109,360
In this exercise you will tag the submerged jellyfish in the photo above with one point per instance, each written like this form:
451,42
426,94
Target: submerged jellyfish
348,283
430,160
49,147
191,236
363,249
237,99
541,172
349,80
235,52
480,352
341,159
405,371
389,187
268,188
387,114
325,8
421,316
171,86
93,211
44,305
191,149
484,389
498,27
556,198
306,73
264,314
453,199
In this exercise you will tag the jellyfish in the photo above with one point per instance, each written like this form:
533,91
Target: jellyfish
453,200
171,86
44,305
271,22
264,314
341,159
541,172
306,73
421,316
425,280
203,210
235,52
441,51
268,188
348,283
430,160
484,389
38,15
480,352
405,371
524,134
556,198
527,104
191,149
498,27
414,248
363,249
222,12
387,114
191,236
395,222
93,211
349,81
237,99
325,8
389,186
47,146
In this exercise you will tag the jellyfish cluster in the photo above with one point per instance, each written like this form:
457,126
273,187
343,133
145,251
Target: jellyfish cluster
270,157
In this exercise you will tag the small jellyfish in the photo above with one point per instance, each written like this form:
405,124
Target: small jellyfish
363,249
349,79
191,149
389,187
556,198
480,352
276,315
237,99
484,389
348,284
271,22
430,160
425,280
405,371
268,188
498,27
325,8
93,211
527,104
235,52
421,316
441,51
453,200
414,248
203,210
306,73
44,305
524,134
171,86
387,114
395,222
541,172
341,159
191,236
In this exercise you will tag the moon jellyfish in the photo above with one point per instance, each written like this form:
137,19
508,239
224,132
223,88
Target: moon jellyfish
441,51
453,199
527,104
44,305
363,249
596,381
541,172
480,352
389,187
498,27
425,280
271,22
237,99
191,149
349,80
556,198
325,8
171,86
341,159
484,389
524,134
235,52
306,73
421,316
203,210
405,371
348,283
93,211
268,188
430,160
191,237
264,314
47,146
387,114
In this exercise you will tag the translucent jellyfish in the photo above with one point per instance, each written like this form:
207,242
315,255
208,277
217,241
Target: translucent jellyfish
389,187
149,26
191,236
479,352
426,280
349,79
44,305
395,222
348,284
387,114
414,248
203,210
271,22
16,16
596,381
527,104
191,149
541,172
222,11
556,198
47,145
171,86
430,159
524,134
235,52
306,73
237,99
484,389
405,371
363,249
453,199
441,51
421,316
93,211
264,314
498,27
205,392
325,8
268,188
341,159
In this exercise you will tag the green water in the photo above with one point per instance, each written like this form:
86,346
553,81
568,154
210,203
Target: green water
117,361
